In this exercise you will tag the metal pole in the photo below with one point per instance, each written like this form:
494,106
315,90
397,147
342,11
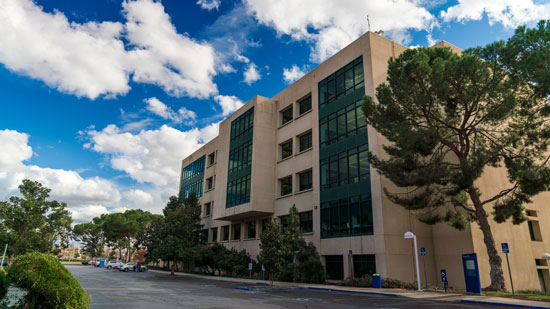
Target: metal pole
510,273
417,268
425,273
4,255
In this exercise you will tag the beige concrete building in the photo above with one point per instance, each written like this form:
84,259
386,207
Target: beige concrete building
307,147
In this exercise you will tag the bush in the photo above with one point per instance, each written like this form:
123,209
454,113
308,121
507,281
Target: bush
366,282
50,284
4,282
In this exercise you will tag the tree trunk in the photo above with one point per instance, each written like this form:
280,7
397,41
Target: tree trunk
497,277
173,267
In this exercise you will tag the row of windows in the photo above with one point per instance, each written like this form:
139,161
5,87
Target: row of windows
304,143
192,187
341,83
347,167
306,221
346,217
305,182
238,191
233,231
304,105
243,124
193,169
343,123
240,157
363,264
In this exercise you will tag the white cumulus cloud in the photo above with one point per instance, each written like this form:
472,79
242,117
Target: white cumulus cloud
209,4
228,103
510,13
150,156
97,58
333,24
251,74
66,185
160,109
138,196
293,74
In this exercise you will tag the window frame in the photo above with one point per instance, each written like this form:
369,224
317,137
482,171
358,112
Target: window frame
225,228
302,188
234,231
288,111
211,158
210,183
299,137
248,229
282,149
300,103
283,185
208,206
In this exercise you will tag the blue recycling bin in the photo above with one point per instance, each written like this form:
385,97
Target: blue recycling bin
376,281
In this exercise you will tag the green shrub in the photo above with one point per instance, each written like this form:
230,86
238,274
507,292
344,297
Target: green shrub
49,283
366,282
4,282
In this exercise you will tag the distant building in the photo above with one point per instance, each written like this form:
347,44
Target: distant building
306,147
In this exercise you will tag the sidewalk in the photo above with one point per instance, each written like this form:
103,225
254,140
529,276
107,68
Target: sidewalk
252,284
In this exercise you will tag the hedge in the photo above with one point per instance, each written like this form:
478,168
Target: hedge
49,283
4,282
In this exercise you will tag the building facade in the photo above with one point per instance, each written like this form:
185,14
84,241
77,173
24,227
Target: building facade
307,147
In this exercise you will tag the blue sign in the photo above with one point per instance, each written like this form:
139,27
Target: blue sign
350,253
443,276
471,273
294,258
422,251
505,248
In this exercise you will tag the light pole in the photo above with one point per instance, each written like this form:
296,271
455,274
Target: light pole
410,235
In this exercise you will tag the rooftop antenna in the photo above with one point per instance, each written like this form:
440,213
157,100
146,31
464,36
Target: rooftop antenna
368,21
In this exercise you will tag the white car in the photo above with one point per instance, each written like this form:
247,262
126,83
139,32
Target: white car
133,266
113,264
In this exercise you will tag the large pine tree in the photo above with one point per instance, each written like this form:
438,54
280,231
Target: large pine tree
449,117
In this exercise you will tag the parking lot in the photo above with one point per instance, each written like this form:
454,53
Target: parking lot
116,289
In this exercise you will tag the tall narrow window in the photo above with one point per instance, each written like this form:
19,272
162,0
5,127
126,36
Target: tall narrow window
306,180
305,141
251,230
305,105
286,149
209,183
286,186
236,231
306,222
207,209
225,233
286,116
214,234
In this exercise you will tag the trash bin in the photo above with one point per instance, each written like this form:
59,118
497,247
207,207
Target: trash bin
376,281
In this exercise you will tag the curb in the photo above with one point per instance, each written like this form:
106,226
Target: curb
501,304
318,289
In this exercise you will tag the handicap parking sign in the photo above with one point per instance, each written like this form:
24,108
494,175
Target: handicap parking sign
422,251
505,248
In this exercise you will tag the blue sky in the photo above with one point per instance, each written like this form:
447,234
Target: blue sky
100,100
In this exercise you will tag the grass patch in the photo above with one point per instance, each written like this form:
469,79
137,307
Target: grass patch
71,262
529,295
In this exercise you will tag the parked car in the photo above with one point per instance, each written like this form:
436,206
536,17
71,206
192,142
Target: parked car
6,262
87,262
113,264
133,266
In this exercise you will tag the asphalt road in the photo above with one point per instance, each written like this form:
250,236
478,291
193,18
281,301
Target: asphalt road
115,289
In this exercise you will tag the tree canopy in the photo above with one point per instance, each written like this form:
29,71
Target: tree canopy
450,117
32,223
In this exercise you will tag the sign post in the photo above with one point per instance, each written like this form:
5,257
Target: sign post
423,254
506,250
351,263
444,279
4,255
250,270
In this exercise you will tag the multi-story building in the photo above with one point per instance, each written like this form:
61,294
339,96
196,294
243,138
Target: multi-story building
306,147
